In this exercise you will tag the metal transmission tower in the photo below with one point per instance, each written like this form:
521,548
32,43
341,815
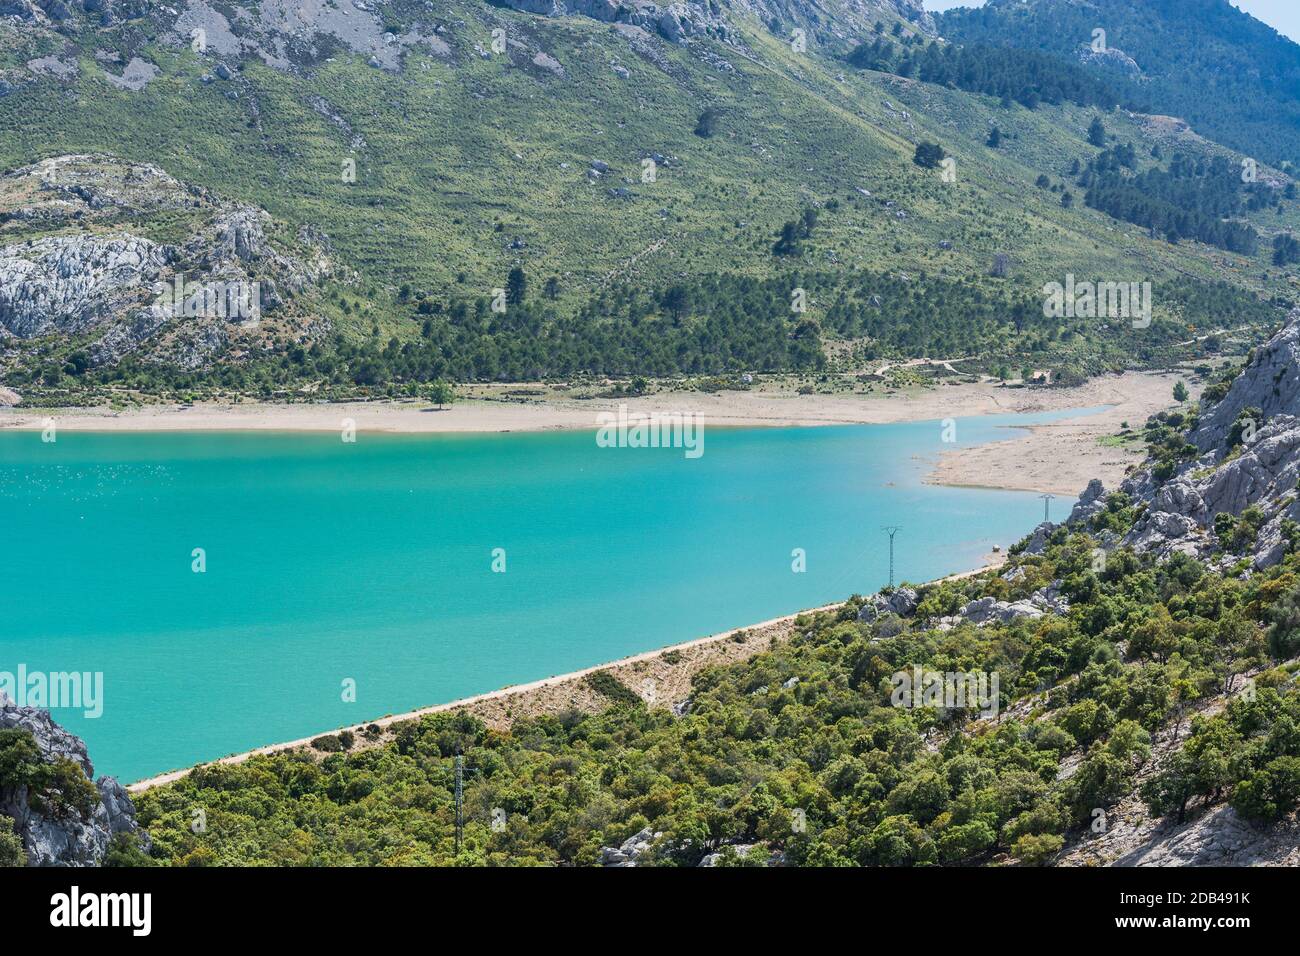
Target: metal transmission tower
891,530
460,800
1047,500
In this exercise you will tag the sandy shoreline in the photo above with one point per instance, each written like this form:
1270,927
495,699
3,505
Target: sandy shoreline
1059,458
661,677
657,681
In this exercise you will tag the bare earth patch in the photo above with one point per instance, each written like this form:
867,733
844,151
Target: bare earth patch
1061,457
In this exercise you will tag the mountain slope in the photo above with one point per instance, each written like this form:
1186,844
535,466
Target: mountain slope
1235,79
433,166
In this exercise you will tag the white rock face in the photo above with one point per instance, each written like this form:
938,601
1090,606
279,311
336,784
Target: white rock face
122,285
1090,503
1271,383
1111,58
67,283
900,601
58,840
1218,838
988,609
1037,542
1262,472
626,853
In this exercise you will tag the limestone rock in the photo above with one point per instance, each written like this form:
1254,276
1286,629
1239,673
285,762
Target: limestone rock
987,610
1050,599
626,853
72,839
118,288
1090,503
900,602
1270,383
1037,542
1111,58
1180,514
67,283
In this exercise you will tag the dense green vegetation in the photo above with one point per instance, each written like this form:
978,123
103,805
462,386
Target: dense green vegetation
1232,77
1027,77
699,326
807,733
56,787
1195,198
1190,200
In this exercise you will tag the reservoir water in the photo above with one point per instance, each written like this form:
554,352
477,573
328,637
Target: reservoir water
374,562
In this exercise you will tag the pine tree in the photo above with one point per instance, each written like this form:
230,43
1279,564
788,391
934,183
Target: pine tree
1097,132
516,286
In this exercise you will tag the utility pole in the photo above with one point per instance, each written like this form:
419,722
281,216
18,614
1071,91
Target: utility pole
891,530
1047,500
460,800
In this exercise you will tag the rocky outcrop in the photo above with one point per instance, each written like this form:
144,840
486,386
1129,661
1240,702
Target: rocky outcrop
181,302
1037,542
91,187
842,19
1219,837
1181,512
1091,502
109,12
900,601
743,851
67,283
1270,382
675,22
63,838
987,609
627,852
135,77
1111,58
1257,466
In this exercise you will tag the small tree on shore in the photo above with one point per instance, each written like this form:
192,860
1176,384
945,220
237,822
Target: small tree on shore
440,393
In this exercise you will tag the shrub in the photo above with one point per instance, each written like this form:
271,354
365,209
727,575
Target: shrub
607,685
928,155
1270,793
1037,849
11,847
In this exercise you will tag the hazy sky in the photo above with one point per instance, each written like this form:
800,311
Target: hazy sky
1282,15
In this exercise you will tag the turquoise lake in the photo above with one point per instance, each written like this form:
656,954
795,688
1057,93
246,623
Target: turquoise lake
373,561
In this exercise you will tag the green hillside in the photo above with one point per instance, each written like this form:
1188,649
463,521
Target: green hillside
1235,79
469,164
